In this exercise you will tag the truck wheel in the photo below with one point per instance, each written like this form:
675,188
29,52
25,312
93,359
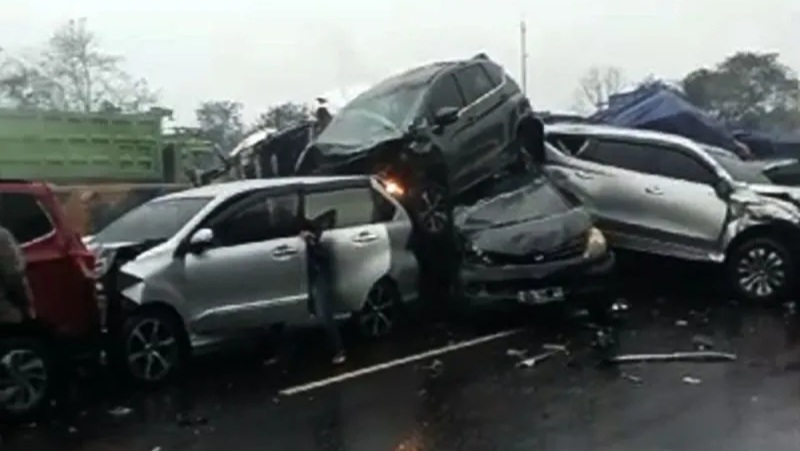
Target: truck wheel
27,378
155,348
761,270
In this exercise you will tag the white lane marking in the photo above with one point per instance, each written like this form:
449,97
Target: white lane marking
393,363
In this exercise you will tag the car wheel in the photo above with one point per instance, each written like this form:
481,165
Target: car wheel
431,209
381,312
27,378
154,348
761,270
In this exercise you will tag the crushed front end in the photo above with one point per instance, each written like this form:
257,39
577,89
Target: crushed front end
533,247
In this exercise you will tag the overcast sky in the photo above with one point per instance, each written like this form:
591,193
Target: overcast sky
261,52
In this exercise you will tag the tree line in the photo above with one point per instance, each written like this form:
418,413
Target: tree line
749,90
72,73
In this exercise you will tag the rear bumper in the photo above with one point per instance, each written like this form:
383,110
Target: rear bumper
581,280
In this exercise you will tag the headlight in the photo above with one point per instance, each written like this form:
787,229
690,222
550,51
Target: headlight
393,188
595,244
103,262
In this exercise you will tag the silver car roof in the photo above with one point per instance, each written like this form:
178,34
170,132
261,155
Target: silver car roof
610,131
228,189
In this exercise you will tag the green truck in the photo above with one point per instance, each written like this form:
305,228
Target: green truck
100,161
64,147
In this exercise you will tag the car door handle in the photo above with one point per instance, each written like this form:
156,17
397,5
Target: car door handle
283,251
583,175
654,190
364,237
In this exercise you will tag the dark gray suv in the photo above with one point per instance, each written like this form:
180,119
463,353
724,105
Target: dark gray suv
431,133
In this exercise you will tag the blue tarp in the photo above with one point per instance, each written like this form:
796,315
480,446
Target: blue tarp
663,109
765,145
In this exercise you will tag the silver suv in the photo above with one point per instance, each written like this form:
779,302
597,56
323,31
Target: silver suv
666,195
237,265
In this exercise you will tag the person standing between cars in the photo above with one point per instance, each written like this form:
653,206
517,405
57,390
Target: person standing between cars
15,296
321,285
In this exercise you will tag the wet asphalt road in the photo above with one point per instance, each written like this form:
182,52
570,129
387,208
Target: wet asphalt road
476,398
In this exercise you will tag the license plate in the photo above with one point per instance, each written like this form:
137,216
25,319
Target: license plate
541,296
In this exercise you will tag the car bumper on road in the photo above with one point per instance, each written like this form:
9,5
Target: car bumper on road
574,281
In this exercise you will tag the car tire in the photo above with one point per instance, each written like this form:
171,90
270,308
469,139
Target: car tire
28,378
154,348
382,312
430,209
761,270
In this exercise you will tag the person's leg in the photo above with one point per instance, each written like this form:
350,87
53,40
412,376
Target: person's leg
322,295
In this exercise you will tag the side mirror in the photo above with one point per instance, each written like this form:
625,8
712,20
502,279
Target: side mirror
445,116
723,188
201,240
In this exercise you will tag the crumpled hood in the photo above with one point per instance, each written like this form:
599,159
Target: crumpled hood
532,219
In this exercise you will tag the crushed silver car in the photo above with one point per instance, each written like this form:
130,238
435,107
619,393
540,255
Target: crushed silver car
667,195
237,265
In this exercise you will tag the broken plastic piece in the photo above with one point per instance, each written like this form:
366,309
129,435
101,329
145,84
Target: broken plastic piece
691,380
632,378
694,356
516,352
120,411
681,323
531,362
702,342
555,347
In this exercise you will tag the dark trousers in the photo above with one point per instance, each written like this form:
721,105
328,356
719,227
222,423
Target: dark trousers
322,303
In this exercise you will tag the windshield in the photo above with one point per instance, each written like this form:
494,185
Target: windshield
740,170
377,113
155,220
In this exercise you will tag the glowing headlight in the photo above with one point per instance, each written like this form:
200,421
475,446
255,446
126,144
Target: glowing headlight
595,244
393,188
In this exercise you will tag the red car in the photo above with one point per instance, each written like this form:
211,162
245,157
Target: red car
60,275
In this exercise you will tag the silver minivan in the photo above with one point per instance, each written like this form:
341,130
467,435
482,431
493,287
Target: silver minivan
239,266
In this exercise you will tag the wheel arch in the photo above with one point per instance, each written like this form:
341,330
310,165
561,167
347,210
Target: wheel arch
784,232
163,308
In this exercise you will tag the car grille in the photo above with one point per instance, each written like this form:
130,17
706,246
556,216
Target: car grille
571,249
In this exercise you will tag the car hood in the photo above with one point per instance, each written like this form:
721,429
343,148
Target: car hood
768,202
536,218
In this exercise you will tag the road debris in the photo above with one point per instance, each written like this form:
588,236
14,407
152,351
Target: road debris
702,342
556,347
681,323
531,362
691,380
520,353
693,356
630,377
620,305
436,368
120,411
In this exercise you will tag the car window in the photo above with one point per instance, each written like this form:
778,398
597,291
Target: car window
353,206
675,164
445,93
474,82
625,155
265,217
155,220
24,217
494,72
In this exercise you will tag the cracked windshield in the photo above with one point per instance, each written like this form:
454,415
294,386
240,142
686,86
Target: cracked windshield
399,225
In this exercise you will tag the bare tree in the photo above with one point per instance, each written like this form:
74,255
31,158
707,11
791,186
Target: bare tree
73,74
598,84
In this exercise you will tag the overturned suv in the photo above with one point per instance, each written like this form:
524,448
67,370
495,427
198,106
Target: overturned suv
433,132
533,245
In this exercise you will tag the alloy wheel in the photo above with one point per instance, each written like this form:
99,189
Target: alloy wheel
432,211
761,272
152,350
377,315
23,380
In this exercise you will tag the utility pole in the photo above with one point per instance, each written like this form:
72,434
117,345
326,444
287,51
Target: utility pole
523,56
